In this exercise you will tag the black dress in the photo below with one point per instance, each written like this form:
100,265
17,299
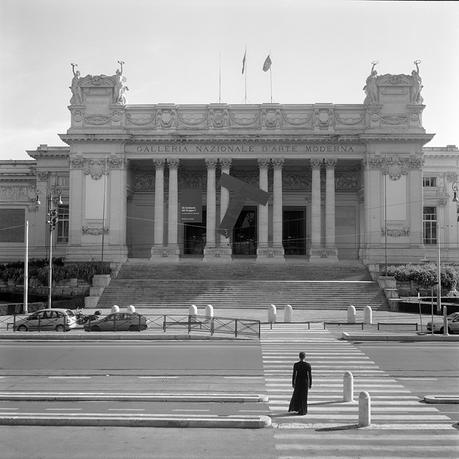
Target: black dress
301,382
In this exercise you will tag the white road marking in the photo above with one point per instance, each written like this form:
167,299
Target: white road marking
185,410
69,377
126,409
63,409
157,377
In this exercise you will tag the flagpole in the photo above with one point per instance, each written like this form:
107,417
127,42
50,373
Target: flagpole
245,77
220,78
271,81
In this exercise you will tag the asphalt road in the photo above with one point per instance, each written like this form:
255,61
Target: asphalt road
423,368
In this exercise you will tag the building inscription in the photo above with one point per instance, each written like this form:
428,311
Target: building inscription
243,148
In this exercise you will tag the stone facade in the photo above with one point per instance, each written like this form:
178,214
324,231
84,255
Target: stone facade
345,181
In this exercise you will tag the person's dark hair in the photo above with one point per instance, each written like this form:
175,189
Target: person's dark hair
302,355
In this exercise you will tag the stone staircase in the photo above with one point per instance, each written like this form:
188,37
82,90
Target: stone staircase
243,285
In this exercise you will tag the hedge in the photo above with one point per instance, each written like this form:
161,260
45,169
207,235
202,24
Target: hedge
426,275
39,270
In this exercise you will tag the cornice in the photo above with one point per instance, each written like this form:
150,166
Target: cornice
396,137
103,137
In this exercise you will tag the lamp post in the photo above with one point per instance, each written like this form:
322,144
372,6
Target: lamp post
25,308
52,222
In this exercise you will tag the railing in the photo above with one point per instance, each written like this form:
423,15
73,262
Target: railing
163,322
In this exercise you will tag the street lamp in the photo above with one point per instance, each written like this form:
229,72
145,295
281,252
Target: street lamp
52,222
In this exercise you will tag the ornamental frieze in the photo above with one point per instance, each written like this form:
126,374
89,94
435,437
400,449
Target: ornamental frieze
17,193
245,119
347,181
166,118
192,179
95,168
144,182
190,119
97,120
140,119
94,231
395,232
218,118
303,120
296,182
271,118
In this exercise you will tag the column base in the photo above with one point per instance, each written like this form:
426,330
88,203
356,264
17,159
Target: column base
217,255
270,255
323,255
165,254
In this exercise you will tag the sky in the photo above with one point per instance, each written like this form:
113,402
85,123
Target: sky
173,50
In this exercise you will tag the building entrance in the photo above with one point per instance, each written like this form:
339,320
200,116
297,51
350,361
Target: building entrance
245,233
294,231
194,237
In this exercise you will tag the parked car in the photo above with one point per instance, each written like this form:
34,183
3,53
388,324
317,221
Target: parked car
438,325
118,321
47,319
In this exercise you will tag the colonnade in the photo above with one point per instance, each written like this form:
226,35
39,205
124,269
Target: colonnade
217,248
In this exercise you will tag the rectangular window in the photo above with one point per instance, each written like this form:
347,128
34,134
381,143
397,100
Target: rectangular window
430,182
430,225
12,223
63,224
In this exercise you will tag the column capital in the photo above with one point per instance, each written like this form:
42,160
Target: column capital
173,163
116,162
316,163
225,162
159,162
263,163
330,163
211,163
277,162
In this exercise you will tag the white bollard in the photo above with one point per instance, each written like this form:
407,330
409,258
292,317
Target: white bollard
193,311
351,314
348,387
131,308
115,308
364,409
368,315
272,313
209,311
288,313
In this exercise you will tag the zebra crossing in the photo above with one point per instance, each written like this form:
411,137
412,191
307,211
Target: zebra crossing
401,425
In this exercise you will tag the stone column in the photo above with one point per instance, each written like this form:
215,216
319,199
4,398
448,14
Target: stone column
173,250
115,247
330,244
210,248
415,190
225,249
278,248
316,226
263,250
158,249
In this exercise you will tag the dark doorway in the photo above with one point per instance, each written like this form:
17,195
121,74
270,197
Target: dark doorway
294,232
195,237
245,233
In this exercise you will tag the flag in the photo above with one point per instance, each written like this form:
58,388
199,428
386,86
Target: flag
243,61
267,64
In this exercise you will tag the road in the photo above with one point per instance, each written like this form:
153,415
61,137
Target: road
209,366
423,368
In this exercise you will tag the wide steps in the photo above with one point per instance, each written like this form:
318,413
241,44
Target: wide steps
242,294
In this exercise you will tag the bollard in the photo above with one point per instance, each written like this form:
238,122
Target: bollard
445,320
288,313
131,308
272,314
364,409
351,314
193,311
115,308
368,315
209,311
348,387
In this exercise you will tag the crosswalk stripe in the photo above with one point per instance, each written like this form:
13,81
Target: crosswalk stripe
400,423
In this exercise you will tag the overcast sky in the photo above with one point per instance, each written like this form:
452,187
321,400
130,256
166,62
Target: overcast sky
320,51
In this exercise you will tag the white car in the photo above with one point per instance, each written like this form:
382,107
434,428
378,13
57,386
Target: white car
47,319
438,325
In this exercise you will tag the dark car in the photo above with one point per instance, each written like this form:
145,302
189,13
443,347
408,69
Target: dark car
118,321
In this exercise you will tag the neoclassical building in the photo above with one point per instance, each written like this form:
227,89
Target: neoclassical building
144,181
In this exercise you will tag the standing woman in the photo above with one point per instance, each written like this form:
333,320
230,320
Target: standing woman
301,383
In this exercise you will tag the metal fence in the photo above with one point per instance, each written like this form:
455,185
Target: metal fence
195,324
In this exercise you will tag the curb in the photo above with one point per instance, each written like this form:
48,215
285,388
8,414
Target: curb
92,336
445,398
415,337
147,397
249,422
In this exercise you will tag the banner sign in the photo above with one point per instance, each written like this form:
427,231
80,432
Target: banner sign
191,205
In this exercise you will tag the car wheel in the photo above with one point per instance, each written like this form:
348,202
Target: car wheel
95,328
60,328
134,328
22,328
